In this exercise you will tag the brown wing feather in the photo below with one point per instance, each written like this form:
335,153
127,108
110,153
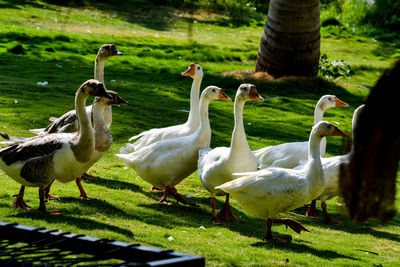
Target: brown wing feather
39,170
33,148
68,118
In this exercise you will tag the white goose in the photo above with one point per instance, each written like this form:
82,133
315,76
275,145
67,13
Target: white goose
61,156
190,126
331,167
216,166
268,192
290,155
166,163
68,123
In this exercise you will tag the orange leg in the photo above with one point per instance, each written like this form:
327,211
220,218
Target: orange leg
153,188
295,225
179,197
225,212
19,200
215,220
42,206
328,219
47,192
81,190
312,211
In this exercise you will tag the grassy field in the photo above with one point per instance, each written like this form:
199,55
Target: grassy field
60,45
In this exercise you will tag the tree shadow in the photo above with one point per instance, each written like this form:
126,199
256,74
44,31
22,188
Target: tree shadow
17,3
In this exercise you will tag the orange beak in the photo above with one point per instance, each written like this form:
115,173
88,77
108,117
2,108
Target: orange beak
339,133
190,71
223,96
340,103
254,95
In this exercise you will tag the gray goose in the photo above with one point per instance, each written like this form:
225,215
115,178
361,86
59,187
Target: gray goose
103,138
68,123
40,160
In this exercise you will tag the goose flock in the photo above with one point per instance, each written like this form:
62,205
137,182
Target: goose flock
265,183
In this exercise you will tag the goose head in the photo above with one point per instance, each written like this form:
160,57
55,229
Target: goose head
324,128
93,87
214,93
108,50
330,101
194,71
115,99
247,91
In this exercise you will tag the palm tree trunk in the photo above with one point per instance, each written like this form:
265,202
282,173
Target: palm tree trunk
290,44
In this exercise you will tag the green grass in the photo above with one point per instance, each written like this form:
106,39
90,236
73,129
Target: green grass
157,49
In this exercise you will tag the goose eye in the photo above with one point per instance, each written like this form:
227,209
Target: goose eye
330,99
213,90
198,68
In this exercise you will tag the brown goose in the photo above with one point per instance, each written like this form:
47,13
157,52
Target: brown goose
68,123
61,156
103,138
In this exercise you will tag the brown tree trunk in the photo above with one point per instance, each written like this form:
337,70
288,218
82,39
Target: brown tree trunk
290,44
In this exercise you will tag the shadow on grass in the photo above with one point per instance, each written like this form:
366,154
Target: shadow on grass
301,248
116,184
121,185
183,215
352,227
80,223
95,205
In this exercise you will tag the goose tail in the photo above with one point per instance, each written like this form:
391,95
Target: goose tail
12,139
53,119
128,148
39,131
133,138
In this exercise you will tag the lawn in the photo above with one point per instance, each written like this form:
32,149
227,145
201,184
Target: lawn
60,44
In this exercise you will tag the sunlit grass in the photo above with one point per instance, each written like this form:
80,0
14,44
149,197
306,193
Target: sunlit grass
148,76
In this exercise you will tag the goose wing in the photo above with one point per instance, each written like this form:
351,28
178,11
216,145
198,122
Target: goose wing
264,182
34,147
67,123
209,158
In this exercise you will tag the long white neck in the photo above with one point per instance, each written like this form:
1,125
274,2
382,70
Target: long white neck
203,133
99,69
313,146
194,116
315,172
318,116
86,132
239,143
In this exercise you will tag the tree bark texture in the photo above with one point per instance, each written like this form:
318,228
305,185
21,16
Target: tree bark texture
290,44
